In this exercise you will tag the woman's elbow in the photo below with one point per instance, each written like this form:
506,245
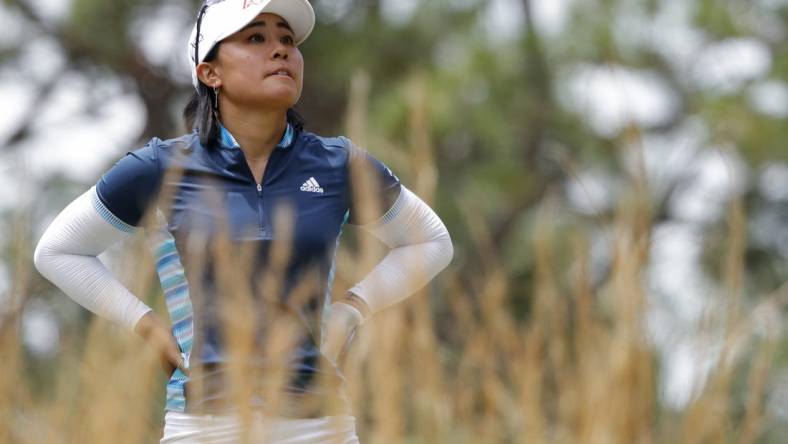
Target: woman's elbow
43,256
446,249
39,257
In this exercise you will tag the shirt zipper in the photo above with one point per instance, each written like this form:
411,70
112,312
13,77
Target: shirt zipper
259,193
260,206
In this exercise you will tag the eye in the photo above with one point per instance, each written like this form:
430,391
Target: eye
288,40
256,38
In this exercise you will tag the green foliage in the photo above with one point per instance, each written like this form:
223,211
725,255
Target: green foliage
501,139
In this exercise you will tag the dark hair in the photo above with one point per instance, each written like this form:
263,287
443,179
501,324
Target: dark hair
199,115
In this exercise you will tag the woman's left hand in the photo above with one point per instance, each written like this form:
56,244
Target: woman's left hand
341,326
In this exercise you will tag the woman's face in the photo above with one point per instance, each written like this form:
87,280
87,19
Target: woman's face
260,65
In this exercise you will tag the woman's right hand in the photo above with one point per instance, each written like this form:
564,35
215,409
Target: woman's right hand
158,336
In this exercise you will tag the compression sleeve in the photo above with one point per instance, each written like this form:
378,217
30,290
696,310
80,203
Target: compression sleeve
66,255
420,248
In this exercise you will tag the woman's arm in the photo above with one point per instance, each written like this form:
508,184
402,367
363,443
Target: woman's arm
420,247
66,255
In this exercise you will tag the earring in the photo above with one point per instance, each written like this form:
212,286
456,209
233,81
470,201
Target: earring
216,98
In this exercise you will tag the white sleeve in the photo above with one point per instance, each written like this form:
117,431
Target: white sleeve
66,255
420,249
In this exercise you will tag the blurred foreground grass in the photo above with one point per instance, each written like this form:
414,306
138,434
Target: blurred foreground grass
579,370
458,362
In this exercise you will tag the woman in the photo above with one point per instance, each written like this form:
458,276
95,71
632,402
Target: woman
248,177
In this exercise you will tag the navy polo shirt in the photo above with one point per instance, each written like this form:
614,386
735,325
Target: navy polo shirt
211,212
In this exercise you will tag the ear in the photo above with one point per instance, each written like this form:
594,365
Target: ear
208,75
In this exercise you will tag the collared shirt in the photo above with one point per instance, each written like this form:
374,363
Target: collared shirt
306,195
227,140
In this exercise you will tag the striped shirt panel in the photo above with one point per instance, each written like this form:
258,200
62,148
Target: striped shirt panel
176,295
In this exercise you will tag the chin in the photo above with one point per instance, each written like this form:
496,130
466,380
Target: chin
281,98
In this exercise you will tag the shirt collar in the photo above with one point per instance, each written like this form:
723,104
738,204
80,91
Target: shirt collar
228,141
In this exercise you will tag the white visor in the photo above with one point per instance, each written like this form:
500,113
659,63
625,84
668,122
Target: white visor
222,18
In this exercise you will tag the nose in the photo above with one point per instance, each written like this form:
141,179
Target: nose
280,52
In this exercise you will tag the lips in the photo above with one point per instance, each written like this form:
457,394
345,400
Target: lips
280,71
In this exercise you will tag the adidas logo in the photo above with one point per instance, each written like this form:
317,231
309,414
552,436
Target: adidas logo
311,186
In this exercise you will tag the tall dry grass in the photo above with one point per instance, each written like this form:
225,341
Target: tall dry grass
453,363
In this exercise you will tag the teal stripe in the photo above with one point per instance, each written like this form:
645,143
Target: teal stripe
227,139
173,281
287,139
394,210
178,298
184,333
168,259
178,294
170,269
165,248
176,401
187,343
182,324
107,215
331,273
184,337
181,312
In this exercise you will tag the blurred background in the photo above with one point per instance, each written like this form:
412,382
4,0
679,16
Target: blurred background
565,144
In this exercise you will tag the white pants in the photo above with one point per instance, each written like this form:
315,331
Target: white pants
215,429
